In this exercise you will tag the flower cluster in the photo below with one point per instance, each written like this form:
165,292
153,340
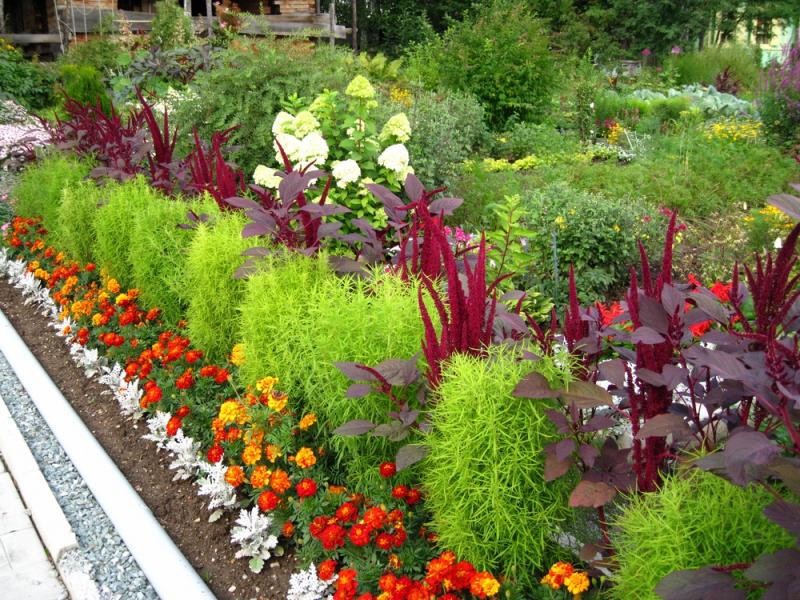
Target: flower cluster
564,574
734,130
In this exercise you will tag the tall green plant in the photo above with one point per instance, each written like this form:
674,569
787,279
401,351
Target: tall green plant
171,27
79,205
696,519
484,475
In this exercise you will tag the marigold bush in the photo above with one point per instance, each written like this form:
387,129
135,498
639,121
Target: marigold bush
694,520
485,473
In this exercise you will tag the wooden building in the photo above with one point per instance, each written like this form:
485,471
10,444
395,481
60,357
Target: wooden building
52,24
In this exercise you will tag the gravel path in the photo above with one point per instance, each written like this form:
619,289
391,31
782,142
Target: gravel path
102,553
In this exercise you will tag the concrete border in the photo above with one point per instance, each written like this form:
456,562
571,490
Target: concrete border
167,569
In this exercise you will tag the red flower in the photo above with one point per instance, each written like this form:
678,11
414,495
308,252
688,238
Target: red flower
209,371
347,513
387,469
288,529
215,453
722,291
90,267
326,570
347,581
399,537
268,501
185,381
384,541
192,356
400,491
152,314
318,525
332,537
359,535
221,376
375,517
182,411
413,496
173,425
306,488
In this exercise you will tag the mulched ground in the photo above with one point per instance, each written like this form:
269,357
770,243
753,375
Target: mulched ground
176,505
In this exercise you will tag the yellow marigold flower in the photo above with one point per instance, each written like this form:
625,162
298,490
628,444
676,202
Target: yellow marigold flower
260,476
96,317
113,286
577,583
305,458
121,299
484,585
217,424
33,265
102,296
237,355
59,258
307,421
273,452
41,274
277,401
234,476
337,489
229,411
394,562
251,454
266,384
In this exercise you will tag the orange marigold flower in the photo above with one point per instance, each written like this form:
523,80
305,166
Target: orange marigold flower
558,572
394,562
288,529
577,583
375,517
280,481
337,489
307,421
273,452
231,412
192,356
347,512
326,569
266,384
277,401
173,425
359,534
484,585
305,458
221,376
260,476
251,454
113,286
268,500
234,475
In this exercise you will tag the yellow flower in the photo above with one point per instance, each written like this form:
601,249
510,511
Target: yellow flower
273,452
113,286
266,384
121,299
277,401
616,228
577,583
305,458
307,421
232,412
560,221
237,355
251,454
96,319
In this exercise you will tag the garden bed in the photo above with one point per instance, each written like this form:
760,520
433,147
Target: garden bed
176,505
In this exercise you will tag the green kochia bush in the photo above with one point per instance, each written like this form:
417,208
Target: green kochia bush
298,319
157,253
38,193
485,472
79,205
214,295
693,521
114,224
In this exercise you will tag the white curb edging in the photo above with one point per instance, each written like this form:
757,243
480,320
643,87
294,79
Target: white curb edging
163,564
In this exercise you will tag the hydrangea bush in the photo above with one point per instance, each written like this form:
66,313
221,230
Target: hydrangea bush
338,131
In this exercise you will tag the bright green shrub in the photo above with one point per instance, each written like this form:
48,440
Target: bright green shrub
79,205
679,528
157,253
213,294
704,65
484,475
298,318
114,224
500,53
524,139
38,192
85,84
247,88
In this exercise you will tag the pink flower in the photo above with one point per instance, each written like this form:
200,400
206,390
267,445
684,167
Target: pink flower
646,52
676,50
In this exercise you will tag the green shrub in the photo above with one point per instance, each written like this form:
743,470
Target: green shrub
484,475
780,100
654,114
248,87
704,65
678,528
114,224
500,53
39,190
85,84
523,139
446,129
98,52
213,294
79,205
594,233
28,82
171,26
157,253
297,337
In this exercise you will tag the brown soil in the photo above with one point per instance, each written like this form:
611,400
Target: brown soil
176,505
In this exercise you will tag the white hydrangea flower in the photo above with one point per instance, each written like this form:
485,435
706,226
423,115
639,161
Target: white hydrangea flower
395,158
345,172
305,123
266,177
360,87
398,128
306,585
283,123
290,145
313,148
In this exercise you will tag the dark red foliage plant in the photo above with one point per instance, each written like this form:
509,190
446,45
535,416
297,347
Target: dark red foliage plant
211,173
160,160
